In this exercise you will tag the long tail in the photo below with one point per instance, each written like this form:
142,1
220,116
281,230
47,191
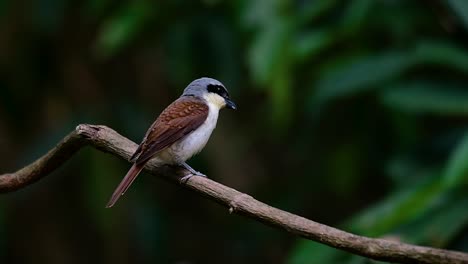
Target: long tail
125,183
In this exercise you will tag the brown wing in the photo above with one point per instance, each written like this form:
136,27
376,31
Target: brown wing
177,121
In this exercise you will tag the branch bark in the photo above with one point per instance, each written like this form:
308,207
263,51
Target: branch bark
107,140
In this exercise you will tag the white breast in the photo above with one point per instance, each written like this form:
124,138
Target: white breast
195,141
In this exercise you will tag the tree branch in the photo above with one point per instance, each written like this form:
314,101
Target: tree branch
107,140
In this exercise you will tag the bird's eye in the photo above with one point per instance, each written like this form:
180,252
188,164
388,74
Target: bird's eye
214,88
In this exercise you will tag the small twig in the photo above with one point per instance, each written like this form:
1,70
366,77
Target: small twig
107,140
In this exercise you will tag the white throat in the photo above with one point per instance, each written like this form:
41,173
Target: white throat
214,100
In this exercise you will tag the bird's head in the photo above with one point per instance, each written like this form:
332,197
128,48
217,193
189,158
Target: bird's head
213,91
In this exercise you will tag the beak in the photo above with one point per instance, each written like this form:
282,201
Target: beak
230,104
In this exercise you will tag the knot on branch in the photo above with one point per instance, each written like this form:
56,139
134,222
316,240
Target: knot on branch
237,202
88,131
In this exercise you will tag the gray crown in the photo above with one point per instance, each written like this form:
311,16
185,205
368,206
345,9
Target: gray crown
199,86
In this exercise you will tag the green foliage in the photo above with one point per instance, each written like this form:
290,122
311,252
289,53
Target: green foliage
442,54
360,74
439,226
461,9
351,113
309,11
310,252
456,173
355,15
427,97
398,208
122,27
308,45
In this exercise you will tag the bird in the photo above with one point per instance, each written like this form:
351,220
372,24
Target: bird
180,131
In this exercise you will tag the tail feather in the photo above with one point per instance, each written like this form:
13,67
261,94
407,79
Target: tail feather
125,183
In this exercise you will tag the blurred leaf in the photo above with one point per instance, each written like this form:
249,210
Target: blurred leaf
122,27
307,251
267,51
400,167
370,72
260,13
437,228
281,96
457,168
310,44
310,10
398,208
442,54
427,97
460,7
361,74
270,58
355,15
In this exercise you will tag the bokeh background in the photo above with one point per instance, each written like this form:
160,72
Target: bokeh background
351,113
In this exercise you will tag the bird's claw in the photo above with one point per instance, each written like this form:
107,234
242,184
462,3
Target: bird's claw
190,175
197,173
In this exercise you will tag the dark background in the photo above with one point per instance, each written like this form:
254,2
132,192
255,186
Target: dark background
350,113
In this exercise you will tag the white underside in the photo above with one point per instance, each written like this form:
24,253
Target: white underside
193,143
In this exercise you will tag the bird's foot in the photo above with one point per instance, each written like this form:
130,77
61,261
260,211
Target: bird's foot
192,173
